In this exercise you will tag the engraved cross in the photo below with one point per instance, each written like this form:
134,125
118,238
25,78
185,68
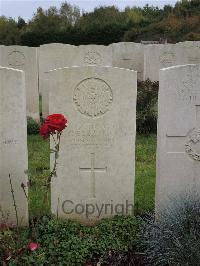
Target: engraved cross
197,116
92,170
178,141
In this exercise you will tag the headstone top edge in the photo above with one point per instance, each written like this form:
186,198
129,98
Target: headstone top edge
179,67
56,44
91,67
20,46
10,68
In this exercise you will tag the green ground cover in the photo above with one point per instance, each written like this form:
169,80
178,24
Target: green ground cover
64,242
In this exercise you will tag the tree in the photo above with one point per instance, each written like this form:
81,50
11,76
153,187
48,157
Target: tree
69,15
44,21
134,15
9,31
104,25
21,23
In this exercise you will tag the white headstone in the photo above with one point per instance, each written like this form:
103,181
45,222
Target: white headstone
96,164
191,43
24,58
129,55
98,55
57,55
13,146
161,56
52,56
178,148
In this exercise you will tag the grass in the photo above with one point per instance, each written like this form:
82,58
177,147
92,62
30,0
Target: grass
145,173
38,153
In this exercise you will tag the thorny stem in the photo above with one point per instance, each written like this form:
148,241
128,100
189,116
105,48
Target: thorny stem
57,147
14,202
53,138
23,187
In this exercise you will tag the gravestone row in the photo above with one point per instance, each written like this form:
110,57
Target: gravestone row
145,59
161,56
53,56
96,168
100,103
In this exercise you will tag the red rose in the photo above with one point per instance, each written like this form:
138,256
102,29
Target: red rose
45,131
53,123
33,246
56,122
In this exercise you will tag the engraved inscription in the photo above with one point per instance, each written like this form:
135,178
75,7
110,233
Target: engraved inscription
192,146
189,92
90,134
193,60
167,59
92,58
93,97
16,59
9,141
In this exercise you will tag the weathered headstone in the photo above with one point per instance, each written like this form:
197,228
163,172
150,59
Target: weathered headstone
53,56
161,56
129,55
57,55
178,149
13,146
191,43
24,58
98,55
96,165
190,54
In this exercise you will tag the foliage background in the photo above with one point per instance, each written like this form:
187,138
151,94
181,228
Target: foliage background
104,25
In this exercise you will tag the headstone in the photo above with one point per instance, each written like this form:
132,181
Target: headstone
98,55
149,42
24,58
53,56
129,55
178,147
191,43
189,55
13,146
161,56
156,57
96,165
57,55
